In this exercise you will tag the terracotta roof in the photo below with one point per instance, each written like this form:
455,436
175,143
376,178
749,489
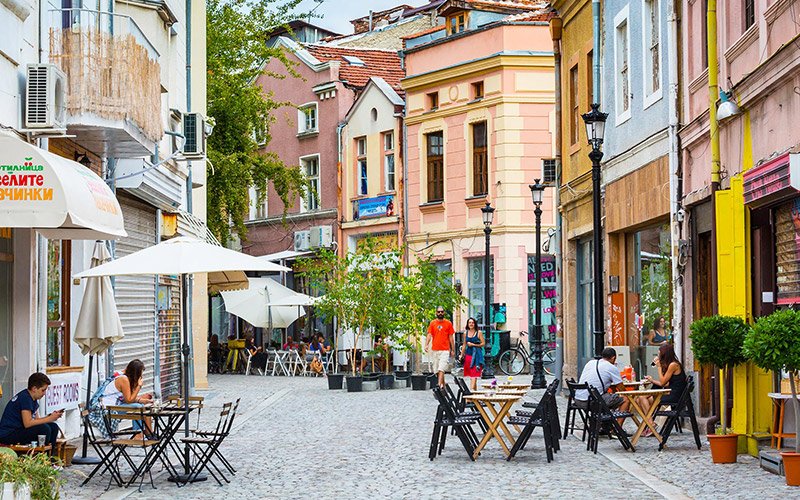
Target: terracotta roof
380,63
424,32
517,4
531,17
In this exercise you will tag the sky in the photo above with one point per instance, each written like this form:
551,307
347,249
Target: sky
336,14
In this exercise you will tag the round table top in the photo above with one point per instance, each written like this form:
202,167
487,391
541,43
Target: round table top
507,386
512,392
500,398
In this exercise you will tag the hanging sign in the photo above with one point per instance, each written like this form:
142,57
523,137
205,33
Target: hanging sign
772,181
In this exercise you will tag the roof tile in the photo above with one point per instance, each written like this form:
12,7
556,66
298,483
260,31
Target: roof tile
381,63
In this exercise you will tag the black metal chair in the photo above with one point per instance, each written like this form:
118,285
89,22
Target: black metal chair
464,390
601,415
205,446
552,413
102,446
683,409
540,417
574,409
446,418
223,435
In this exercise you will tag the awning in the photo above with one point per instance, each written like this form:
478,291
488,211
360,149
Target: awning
60,198
285,255
773,181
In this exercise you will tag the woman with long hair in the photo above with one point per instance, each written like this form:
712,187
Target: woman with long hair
671,375
659,335
472,352
124,391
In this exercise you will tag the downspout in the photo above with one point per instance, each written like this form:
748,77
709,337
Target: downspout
674,180
555,33
189,279
340,188
401,236
405,165
596,51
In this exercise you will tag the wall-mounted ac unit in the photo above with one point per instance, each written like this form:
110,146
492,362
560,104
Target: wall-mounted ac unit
194,129
44,97
302,241
321,237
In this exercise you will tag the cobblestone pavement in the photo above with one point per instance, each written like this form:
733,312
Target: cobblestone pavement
296,439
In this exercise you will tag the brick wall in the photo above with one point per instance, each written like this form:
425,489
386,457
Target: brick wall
68,149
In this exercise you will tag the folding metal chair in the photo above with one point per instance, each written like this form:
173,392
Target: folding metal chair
99,445
446,417
600,414
540,417
684,408
222,433
573,409
279,364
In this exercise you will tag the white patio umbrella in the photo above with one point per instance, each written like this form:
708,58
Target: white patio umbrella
266,304
185,255
98,327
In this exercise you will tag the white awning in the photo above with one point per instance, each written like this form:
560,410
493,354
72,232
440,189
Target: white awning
60,198
286,254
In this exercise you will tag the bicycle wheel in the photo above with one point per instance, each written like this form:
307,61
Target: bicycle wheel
549,361
511,362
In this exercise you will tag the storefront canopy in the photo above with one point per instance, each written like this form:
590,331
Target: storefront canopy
60,198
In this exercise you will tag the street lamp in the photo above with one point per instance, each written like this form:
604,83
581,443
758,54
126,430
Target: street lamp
488,214
595,127
537,381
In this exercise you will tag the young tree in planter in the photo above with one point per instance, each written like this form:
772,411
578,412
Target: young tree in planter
774,344
718,340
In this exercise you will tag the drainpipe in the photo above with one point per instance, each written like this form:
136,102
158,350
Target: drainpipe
596,51
340,187
674,179
555,33
404,194
188,347
400,180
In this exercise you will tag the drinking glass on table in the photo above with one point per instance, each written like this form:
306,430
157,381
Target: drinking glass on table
42,440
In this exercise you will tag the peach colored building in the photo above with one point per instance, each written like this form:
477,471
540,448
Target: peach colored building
480,122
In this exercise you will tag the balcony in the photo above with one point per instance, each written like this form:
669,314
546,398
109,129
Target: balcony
113,92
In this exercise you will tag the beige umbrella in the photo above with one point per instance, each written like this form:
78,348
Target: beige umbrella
258,305
98,326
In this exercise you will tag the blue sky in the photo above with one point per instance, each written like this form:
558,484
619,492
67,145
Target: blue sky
338,13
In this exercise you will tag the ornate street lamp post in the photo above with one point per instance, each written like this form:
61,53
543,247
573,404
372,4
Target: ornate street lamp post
488,214
537,381
595,127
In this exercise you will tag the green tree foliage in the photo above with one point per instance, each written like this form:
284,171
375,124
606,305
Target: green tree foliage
243,112
774,344
719,340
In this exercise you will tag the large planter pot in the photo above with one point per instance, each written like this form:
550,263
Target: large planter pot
387,381
418,382
7,491
791,467
354,383
335,381
724,448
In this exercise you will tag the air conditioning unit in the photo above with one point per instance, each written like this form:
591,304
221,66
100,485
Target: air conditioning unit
548,171
194,129
302,241
44,97
321,237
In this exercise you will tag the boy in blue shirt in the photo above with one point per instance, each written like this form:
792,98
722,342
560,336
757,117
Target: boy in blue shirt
21,424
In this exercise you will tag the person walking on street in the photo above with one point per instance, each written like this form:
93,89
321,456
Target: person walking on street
440,341
472,352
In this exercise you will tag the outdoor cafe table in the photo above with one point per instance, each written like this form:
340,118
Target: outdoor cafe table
507,386
494,417
167,421
647,417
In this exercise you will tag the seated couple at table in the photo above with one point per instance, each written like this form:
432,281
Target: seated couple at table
602,374
122,389
671,375
21,423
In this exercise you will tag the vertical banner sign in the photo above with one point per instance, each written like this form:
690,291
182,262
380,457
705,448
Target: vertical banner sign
548,294
617,319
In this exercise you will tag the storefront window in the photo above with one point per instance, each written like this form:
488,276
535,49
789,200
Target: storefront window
58,275
787,252
548,279
653,277
585,301
6,305
477,285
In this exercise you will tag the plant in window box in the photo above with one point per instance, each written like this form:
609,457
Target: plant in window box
718,340
774,344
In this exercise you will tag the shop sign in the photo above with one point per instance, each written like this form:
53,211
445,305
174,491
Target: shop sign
547,272
772,180
64,392
370,208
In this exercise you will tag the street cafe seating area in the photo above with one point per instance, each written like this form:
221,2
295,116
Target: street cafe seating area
497,416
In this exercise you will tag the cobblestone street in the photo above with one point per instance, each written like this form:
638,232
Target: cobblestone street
294,438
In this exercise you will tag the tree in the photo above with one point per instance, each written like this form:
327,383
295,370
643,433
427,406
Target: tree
243,112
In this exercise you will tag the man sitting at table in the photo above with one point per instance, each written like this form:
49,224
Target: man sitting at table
602,374
21,423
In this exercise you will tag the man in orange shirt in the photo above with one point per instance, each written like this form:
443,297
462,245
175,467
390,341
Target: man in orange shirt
440,341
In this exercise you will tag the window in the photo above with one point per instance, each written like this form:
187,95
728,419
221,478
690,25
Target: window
435,153
457,23
477,286
622,73
58,302
257,210
388,161
704,30
477,90
361,165
480,170
652,57
307,118
749,13
574,122
585,301
548,295
589,80
433,101
311,167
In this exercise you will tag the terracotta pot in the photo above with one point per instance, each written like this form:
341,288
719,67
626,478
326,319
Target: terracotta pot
791,467
724,448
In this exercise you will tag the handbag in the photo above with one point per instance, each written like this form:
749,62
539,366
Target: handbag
316,365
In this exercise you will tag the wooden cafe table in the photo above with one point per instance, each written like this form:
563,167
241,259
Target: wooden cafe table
499,387
647,417
494,417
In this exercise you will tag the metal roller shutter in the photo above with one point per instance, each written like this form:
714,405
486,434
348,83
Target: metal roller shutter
169,336
136,295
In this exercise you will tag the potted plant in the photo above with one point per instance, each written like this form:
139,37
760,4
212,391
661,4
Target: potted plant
718,340
774,344
29,477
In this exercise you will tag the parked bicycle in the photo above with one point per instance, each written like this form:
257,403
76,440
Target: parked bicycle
514,360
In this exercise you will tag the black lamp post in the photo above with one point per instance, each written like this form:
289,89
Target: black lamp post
537,381
488,214
595,127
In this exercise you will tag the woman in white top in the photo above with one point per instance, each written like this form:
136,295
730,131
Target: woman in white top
124,391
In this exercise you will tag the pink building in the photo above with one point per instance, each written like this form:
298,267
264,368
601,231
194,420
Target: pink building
480,125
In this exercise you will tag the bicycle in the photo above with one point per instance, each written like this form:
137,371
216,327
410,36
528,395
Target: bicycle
513,360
